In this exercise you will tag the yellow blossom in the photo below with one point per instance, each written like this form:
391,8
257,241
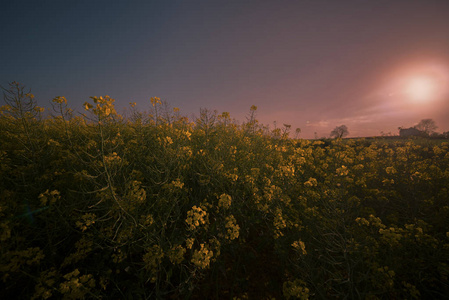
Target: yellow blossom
232,228
87,220
202,257
195,217
176,254
60,100
343,171
390,170
87,106
49,197
295,289
300,247
189,243
155,100
224,201
278,223
311,182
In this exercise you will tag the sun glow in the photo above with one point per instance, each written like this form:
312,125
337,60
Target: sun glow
418,86
421,89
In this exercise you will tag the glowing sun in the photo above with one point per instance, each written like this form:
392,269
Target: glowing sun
421,89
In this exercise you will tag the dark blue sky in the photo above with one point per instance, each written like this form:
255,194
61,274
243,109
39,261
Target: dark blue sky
311,64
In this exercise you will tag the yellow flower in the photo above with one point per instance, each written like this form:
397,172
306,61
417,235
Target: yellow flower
155,100
176,254
60,100
362,221
279,223
48,196
232,228
311,182
177,183
189,243
224,201
390,170
75,287
201,258
343,171
295,289
152,259
195,217
300,247
87,106
88,220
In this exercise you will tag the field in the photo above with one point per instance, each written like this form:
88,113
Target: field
153,205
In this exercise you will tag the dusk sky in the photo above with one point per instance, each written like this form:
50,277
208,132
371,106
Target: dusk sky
371,65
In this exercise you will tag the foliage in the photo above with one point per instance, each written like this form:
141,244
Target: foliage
157,206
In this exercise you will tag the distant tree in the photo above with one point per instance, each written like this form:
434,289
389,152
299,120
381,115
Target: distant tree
340,131
427,125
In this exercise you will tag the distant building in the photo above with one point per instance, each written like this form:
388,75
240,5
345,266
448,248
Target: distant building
409,132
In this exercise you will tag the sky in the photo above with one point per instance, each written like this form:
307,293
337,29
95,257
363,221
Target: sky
372,65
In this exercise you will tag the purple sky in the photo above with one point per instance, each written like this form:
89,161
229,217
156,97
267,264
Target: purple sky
312,64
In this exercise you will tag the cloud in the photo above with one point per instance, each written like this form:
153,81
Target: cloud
321,124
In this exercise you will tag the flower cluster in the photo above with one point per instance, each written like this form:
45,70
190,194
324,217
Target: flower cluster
76,287
232,228
296,289
104,106
152,260
224,201
311,182
136,193
196,217
87,220
202,257
49,197
60,100
278,223
176,254
300,247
